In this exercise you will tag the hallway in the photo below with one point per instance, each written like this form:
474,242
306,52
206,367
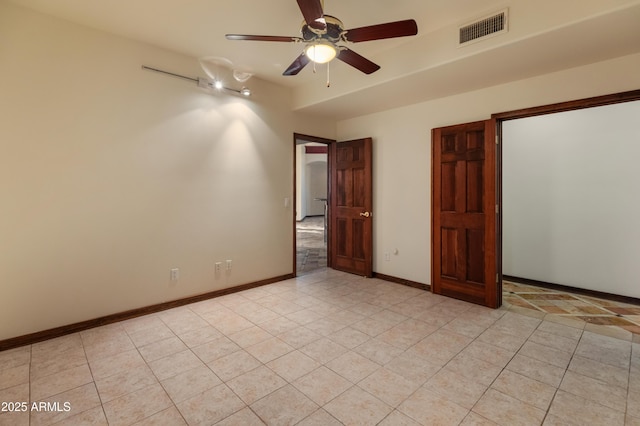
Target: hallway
311,249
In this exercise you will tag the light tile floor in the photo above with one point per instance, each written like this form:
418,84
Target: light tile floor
328,349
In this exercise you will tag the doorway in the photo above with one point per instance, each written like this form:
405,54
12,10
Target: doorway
455,241
347,220
311,208
567,215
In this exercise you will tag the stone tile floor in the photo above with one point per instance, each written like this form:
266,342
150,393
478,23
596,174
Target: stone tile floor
591,310
329,348
311,249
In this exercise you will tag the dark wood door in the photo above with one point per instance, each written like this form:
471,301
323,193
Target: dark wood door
350,209
465,248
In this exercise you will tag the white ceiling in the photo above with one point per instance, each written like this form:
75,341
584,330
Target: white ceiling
544,36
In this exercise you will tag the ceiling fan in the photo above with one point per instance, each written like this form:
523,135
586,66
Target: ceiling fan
321,33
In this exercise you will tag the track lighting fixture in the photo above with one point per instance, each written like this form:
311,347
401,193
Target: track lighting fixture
206,83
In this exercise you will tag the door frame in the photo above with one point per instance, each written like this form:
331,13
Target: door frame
328,142
499,118
592,102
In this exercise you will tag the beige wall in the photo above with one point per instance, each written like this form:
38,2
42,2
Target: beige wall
110,176
402,151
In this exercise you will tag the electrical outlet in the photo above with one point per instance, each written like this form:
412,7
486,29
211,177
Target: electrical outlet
218,267
228,265
387,256
175,274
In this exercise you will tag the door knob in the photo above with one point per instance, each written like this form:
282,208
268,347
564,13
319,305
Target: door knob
365,214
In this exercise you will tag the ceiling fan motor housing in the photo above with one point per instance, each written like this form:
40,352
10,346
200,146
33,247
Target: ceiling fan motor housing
333,31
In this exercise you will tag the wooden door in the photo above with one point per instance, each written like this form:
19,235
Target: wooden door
464,215
350,208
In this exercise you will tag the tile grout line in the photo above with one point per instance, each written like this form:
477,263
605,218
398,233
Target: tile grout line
505,368
563,374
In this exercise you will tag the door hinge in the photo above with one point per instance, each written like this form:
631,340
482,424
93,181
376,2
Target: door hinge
497,139
497,208
497,278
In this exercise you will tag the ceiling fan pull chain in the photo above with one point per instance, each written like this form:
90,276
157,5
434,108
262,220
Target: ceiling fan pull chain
314,62
328,75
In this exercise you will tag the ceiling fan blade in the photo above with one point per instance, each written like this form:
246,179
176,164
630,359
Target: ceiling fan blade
297,65
261,38
382,31
312,12
357,61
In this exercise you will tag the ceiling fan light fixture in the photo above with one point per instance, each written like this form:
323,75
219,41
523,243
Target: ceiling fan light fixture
321,52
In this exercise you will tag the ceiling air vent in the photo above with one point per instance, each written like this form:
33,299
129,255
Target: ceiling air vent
483,28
